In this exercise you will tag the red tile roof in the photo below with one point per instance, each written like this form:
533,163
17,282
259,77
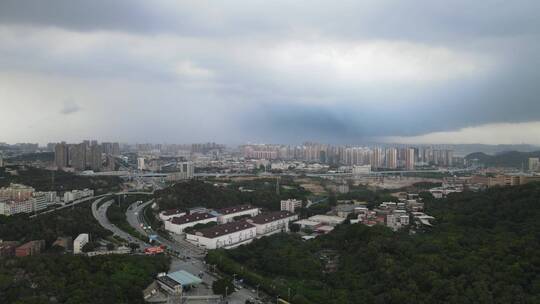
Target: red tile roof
235,209
270,217
189,218
220,230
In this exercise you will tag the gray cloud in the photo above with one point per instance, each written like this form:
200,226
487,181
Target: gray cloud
280,71
70,108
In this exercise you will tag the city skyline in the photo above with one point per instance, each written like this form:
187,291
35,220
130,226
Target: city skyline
170,71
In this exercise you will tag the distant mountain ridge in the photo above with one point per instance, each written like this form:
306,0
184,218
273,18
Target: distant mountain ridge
514,159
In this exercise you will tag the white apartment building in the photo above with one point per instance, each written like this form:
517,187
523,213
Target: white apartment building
179,223
79,242
39,202
10,207
227,215
140,163
396,221
185,171
272,222
290,205
36,202
228,235
74,195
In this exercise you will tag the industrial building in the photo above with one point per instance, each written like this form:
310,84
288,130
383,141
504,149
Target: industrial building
273,222
223,236
227,215
179,223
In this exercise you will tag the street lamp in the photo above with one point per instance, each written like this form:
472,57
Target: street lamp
289,294
226,290
258,290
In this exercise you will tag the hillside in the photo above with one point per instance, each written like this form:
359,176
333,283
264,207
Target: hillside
484,248
197,193
513,159
46,180
77,279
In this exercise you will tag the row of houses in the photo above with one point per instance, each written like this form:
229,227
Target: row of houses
233,225
12,248
19,198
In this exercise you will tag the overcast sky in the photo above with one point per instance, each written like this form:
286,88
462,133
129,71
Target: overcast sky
270,71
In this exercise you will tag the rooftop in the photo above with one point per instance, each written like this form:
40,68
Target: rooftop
270,217
189,218
184,278
172,212
220,230
235,209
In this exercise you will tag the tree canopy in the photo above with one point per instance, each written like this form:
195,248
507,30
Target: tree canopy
484,248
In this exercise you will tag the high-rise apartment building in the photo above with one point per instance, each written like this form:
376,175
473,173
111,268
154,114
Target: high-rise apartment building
116,149
409,159
391,158
61,155
377,158
78,157
95,151
534,164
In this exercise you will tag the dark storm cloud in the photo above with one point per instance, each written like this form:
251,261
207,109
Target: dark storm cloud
280,70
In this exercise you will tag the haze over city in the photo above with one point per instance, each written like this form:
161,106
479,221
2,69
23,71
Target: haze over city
280,71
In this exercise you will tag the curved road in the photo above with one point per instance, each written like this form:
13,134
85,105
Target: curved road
100,214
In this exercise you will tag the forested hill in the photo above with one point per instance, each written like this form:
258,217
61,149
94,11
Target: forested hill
197,193
484,248
513,159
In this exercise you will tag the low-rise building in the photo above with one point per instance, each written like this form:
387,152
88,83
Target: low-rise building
179,223
74,195
272,222
228,235
79,242
7,249
174,282
30,248
227,215
327,219
343,210
168,214
307,224
290,205
65,241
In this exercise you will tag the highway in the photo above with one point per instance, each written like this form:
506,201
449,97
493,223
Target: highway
100,214
185,256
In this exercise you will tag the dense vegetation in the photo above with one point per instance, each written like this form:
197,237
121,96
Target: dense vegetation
46,180
484,248
65,222
511,159
77,279
197,193
33,157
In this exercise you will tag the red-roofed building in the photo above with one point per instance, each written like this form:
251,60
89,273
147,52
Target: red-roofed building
273,222
168,214
179,223
228,214
228,235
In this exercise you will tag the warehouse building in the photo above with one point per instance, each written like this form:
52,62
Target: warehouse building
227,235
